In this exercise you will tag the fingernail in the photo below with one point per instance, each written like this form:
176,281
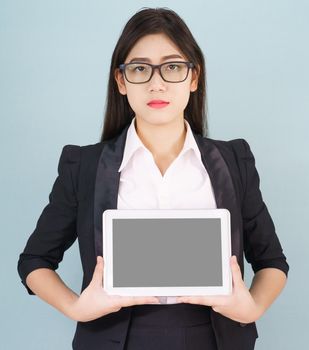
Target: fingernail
155,302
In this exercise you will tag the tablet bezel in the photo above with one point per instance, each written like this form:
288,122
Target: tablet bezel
224,216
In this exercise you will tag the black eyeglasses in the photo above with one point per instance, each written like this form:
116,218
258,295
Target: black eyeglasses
171,72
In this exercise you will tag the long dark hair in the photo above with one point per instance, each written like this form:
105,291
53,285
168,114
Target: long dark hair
118,112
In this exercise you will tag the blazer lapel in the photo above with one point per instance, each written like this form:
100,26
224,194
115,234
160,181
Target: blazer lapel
107,185
224,189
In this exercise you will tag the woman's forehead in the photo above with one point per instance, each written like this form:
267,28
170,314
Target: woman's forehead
154,47
162,58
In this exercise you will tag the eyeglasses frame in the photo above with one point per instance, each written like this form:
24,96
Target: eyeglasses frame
122,68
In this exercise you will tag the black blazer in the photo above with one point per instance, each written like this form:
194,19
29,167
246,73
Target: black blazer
87,185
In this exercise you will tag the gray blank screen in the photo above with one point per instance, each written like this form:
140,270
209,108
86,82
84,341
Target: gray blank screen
167,252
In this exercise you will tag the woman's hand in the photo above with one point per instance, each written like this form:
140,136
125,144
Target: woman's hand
239,306
94,302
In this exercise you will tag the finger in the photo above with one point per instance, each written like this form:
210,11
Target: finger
202,300
216,308
236,273
130,301
97,277
216,300
147,300
189,300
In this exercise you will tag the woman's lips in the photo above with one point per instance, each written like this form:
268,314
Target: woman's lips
157,104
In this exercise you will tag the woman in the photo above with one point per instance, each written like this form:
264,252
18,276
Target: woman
152,147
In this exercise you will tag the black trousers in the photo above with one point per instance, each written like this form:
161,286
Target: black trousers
169,327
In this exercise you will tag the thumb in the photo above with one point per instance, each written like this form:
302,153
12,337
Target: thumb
236,273
97,277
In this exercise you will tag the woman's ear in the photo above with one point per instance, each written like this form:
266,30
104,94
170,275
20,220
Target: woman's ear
194,79
120,81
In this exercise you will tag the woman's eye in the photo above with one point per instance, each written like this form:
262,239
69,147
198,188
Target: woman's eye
139,68
172,66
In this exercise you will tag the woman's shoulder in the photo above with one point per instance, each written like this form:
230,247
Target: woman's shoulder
239,146
75,152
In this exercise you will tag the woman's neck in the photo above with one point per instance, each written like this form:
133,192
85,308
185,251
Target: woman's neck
163,141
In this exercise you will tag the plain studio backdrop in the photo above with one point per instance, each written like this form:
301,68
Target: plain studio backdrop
55,58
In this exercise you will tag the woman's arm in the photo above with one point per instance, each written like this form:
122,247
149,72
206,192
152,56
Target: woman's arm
93,303
266,286
243,305
55,231
48,286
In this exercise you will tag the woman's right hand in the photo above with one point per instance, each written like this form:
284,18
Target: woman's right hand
94,302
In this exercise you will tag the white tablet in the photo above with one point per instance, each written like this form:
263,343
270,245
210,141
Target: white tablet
167,252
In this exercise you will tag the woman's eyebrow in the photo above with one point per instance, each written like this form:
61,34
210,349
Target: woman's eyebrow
146,59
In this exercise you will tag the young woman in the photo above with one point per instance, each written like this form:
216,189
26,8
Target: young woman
154,154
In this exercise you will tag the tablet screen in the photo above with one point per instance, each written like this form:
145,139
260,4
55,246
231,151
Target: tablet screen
167,252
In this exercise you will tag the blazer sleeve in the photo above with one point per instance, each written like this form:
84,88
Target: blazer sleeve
55,231
262,247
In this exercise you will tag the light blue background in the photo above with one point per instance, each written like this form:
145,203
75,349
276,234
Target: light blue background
55,57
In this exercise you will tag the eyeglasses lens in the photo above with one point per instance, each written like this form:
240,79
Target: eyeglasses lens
172,72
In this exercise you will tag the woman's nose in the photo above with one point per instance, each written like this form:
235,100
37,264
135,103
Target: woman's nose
156,81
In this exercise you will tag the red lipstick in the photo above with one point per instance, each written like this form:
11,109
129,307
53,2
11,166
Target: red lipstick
157,103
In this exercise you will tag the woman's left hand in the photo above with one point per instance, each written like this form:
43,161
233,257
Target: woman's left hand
239,306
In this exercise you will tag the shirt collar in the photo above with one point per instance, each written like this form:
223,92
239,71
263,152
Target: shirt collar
133,143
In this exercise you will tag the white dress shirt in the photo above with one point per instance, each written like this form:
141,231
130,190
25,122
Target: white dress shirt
184,185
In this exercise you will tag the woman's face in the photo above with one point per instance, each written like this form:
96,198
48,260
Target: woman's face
153,49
